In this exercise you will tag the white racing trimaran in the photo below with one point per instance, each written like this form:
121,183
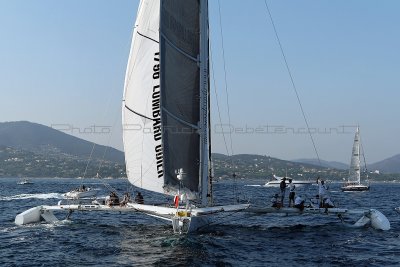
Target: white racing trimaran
166,117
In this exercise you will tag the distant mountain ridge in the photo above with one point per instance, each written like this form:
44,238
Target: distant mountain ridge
324,163
52,144
389,165
40,139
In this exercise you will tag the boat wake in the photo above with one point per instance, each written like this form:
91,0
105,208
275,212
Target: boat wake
30,196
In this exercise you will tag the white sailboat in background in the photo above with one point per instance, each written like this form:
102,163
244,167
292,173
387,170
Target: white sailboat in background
354,180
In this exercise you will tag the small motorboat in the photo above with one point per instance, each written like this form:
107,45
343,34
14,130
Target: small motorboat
277,181
24,181
351,187
81,192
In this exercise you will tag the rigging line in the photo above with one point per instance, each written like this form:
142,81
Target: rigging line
363,154
107,185
292,81
227,99
217,102
226,81
90,157
91,153
107,146
108,106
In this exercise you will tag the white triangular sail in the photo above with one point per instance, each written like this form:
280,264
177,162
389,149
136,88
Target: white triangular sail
355,166
141,106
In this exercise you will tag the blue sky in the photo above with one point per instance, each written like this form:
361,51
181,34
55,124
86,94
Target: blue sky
62,64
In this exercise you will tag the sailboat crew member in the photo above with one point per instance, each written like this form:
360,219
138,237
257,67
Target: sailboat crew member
139,198
282,186
125,199
322,192
299,203
275,201
112,199
292,192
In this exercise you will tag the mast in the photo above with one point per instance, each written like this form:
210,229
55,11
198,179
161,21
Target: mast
358,168
204,104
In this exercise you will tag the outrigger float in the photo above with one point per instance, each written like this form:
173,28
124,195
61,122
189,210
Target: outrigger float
372,217
190,220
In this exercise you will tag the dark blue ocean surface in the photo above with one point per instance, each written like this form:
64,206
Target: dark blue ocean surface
133,239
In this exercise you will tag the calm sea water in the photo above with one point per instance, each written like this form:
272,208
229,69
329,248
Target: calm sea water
109,239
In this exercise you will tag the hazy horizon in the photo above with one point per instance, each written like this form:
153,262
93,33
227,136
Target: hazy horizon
63,65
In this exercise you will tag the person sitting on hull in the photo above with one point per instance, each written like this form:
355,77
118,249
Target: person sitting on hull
125,199
314,202
328,203
275,201
113,199
299,203
139,198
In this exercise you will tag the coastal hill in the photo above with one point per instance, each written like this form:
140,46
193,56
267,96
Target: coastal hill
22,163
40,139
324,163
34,150
389,165
262,167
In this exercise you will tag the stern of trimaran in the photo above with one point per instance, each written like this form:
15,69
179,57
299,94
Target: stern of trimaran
166,111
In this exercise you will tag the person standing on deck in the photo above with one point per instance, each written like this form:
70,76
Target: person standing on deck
282,186
322,192
292,192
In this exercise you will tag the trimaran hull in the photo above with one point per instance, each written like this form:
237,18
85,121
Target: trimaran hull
184,221
167,87
194,219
